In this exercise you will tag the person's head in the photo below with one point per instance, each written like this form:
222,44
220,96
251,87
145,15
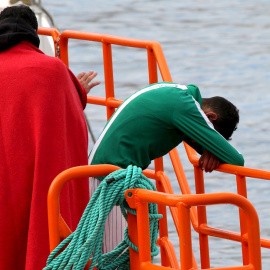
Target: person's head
20,12
223,115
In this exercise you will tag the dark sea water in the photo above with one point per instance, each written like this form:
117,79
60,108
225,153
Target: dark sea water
221,46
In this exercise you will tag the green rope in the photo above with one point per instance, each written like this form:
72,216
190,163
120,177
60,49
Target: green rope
86,241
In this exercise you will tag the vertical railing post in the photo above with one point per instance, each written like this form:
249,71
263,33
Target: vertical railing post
242,190
133,236
185,242
163,224
54,33
202,219
153,78
132,221
143,231
159,164
108,76
254,242
138,230
152,66
63,47
161,62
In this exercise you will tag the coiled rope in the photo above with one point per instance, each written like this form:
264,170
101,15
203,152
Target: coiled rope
86,241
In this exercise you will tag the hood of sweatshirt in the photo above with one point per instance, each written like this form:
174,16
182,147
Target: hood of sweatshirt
14,30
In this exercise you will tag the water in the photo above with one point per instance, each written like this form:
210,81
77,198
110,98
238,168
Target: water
221,46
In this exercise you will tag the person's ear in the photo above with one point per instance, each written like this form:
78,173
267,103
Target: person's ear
211,116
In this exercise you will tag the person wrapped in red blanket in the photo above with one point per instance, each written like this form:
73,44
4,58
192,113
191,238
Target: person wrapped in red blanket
43,132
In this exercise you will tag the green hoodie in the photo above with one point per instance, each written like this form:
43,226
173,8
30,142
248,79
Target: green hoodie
153,121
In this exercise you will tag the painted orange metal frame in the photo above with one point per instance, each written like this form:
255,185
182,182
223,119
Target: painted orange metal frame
58,229
198,214
54,33
154,52
139,199
139,226
201,227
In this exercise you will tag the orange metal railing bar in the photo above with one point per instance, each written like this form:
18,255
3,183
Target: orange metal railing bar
167,251
202,219
200,225
154,52
54,33
163,184
156,57
163,240
46,31
231,169
54,217
108,73
185,243
100,170
138,198
241,173
148,265
115,40
58,229
242,190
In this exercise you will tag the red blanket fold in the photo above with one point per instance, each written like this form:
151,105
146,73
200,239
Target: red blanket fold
43,132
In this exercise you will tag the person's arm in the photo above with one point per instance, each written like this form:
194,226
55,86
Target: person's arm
192,121
208,161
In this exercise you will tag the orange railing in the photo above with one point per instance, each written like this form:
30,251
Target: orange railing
139,225
58,229
198,214
54,33
154,52
200,223
139,199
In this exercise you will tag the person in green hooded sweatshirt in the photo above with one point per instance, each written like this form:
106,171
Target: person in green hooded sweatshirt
157,118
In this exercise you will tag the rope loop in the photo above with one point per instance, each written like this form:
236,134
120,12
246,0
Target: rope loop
86,241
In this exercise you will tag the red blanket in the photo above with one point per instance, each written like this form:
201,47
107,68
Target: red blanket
43,132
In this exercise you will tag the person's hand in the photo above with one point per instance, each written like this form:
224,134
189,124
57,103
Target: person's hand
208,161
85,79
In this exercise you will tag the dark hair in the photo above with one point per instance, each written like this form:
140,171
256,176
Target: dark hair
227,115
20,12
